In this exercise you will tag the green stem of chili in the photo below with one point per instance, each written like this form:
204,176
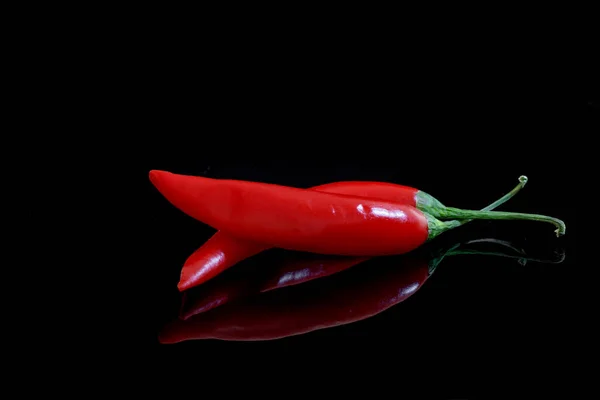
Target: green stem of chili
460,214
436,213
503,199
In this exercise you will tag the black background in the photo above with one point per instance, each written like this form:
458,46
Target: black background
456,109
462,133
478,319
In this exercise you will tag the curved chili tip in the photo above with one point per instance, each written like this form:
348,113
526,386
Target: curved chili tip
156,176
153,175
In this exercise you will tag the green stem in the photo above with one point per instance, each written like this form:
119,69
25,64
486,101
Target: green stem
427,203
435,212
505,198
460,214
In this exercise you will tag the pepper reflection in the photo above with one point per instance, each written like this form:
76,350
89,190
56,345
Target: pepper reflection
356,294
295,269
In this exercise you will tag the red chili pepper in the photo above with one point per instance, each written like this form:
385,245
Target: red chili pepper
222,251
362,293
316,222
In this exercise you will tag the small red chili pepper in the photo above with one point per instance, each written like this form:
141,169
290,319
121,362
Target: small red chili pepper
361,293
316,222
223,251
219,253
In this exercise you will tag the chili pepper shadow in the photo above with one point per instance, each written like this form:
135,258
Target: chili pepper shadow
353,295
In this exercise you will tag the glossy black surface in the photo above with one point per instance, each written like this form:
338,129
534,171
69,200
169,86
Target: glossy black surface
474,312
478,321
